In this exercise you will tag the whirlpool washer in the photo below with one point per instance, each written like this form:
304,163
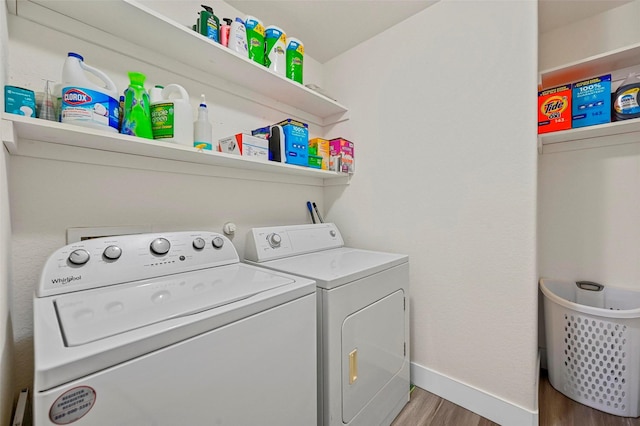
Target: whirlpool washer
363,319
170,329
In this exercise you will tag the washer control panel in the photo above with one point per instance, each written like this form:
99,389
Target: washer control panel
271,243
112,260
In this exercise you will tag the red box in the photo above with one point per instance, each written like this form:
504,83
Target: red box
554,109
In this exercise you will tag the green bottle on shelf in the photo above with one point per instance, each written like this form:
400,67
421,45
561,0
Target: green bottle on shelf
137,114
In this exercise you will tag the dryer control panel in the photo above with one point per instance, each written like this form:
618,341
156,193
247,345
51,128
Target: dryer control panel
276,242
106,261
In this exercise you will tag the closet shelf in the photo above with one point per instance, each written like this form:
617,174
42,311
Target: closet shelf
19,132
594,66
616,133
151,31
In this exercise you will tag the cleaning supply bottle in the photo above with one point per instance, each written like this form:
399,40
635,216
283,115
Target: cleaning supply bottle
202,131
208,24
238,38
225,30
627,98
295,57
255,38
171,115
275,45
85,103
137,115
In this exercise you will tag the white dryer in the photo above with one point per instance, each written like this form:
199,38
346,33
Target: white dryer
363,319
171,329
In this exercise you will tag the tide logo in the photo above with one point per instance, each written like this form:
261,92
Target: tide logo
76,97
554,106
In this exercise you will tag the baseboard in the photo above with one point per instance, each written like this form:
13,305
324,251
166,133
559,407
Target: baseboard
480,402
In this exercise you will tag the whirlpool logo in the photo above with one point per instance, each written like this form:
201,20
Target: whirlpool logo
66,280
76,97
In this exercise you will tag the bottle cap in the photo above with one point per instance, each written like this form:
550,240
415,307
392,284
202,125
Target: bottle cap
75,55
137,77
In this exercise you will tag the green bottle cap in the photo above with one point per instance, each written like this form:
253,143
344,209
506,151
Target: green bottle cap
137,78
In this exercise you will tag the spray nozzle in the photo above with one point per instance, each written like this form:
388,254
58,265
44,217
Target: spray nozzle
203,102
207,8
227,20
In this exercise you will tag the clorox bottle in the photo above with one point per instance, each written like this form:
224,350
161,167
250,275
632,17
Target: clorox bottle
85,103
171,115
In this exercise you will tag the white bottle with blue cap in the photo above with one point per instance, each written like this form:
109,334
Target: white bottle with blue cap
202,129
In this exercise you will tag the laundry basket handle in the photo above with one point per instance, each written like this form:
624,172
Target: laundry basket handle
589,285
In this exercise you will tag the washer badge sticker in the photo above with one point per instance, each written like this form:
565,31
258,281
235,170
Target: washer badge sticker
72,405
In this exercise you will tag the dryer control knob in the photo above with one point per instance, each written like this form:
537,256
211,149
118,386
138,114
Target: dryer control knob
332,233
79,257
198,243
112,252
217,242
160,246
274,240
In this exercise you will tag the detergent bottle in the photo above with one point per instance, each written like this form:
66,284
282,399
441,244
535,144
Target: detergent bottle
171,115
627,98
85,103
137,115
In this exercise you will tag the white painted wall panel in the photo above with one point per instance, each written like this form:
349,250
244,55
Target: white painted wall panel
442,115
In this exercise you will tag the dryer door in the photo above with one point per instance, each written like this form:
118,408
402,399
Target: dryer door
373,351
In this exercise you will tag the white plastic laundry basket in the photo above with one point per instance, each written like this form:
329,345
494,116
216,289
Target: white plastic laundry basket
593,344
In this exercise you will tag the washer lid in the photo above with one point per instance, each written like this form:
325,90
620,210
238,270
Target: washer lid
335,267
93,315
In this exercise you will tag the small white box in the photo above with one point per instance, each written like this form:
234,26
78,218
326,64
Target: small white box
246,146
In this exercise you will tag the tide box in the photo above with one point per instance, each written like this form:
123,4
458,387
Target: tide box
591,101
341,156
319,147
246,146
554,109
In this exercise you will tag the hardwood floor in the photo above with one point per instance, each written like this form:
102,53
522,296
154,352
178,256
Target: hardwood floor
427,409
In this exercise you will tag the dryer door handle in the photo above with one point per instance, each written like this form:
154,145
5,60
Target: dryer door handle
353,366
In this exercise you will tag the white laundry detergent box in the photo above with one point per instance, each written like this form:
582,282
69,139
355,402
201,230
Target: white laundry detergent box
246,146
591,101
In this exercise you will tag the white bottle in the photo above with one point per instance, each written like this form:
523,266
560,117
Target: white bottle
202,131
238,38
84,102
171,115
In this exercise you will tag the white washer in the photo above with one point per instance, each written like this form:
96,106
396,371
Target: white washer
170,329
363,319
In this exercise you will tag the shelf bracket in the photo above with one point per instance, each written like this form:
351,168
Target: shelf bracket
8,136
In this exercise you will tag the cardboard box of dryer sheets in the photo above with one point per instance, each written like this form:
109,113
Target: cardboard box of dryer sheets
246,146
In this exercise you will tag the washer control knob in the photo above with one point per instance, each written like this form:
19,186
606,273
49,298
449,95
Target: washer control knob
160,246
274,240
112,252
198,243
79,257
217,242
332,233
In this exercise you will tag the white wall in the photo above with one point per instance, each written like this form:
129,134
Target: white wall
48,196
442,114
6,334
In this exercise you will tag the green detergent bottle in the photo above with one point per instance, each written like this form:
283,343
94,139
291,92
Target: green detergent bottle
137,114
